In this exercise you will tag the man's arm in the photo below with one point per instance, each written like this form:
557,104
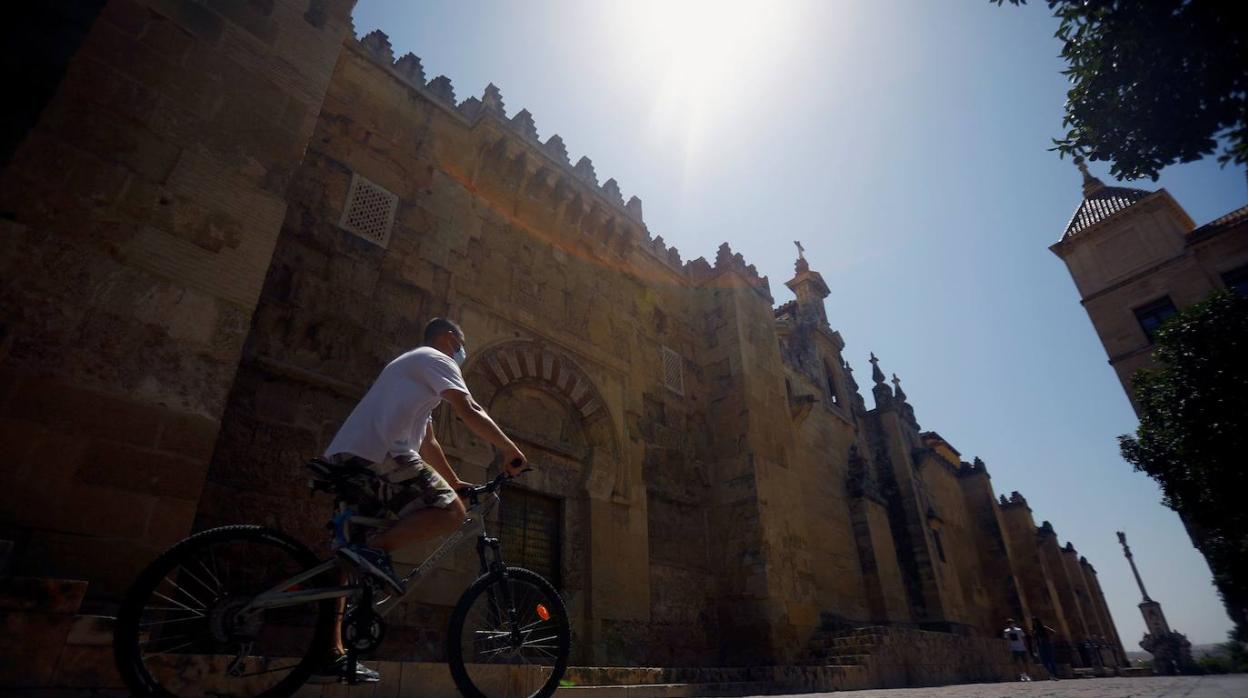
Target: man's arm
483,426
431,453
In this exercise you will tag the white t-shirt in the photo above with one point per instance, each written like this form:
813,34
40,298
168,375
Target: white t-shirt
392,415
1015,635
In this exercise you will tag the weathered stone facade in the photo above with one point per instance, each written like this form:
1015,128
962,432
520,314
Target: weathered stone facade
190,315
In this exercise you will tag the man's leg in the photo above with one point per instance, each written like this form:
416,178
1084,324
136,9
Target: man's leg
419,525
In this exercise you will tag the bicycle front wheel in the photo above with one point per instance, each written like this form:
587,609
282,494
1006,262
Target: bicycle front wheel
183,629
509,636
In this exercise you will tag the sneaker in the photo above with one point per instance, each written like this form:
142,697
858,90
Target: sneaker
375,562
335,672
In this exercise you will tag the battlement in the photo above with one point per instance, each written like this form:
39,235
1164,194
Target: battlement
1015,500
490,105
726,260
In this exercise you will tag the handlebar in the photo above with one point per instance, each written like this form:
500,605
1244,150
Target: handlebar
493,485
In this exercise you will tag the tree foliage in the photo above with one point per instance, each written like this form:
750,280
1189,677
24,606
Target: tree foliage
1153,82
1193,435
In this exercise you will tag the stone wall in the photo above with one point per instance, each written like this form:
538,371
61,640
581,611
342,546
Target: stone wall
139,213
565,346
996,565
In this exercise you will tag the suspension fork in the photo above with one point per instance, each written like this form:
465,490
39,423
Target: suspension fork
502,604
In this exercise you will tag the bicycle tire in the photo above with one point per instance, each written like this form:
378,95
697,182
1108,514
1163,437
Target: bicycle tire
556,608
127,648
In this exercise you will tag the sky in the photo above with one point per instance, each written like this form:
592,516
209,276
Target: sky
905,144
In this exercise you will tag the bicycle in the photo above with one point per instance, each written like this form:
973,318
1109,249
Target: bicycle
250,611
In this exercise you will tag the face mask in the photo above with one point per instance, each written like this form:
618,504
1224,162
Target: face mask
460,355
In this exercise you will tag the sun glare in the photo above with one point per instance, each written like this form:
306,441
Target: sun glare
699,58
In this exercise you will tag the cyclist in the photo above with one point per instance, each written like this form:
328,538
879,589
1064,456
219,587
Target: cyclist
390,431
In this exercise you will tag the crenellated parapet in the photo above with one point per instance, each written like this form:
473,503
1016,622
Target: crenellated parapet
661,250
1015,500
1045,530
975,467
728,261
409,69
490,105
377,43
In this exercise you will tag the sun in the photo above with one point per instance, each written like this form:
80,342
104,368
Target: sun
699,57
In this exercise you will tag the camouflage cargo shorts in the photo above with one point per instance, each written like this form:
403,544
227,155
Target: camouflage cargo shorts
403,484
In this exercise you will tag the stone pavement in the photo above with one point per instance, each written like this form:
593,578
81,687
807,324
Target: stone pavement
1233,686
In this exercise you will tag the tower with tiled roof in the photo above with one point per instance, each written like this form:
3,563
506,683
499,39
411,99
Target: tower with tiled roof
1136,258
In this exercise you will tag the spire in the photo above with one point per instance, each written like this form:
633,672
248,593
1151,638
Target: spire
883,395
897,391
810,290
849,375
1091,184
802,265
876,374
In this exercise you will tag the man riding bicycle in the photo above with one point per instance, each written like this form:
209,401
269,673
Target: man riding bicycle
390,432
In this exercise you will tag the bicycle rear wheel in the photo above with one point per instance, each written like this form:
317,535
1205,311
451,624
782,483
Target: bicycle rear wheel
181,631
509,636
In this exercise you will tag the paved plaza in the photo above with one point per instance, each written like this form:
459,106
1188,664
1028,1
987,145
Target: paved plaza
1234,686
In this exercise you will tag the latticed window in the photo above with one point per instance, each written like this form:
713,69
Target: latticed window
529,528
369,211
673,371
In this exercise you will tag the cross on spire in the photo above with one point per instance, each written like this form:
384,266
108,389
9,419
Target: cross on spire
876,374
1090,183
897,391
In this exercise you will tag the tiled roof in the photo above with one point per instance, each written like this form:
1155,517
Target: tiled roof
1217,225
1099,204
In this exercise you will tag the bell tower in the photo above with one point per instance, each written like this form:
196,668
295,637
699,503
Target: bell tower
810,290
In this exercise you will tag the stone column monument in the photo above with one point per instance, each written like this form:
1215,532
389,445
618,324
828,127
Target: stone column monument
1172,653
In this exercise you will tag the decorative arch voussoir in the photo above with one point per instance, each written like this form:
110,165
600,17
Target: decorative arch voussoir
504,364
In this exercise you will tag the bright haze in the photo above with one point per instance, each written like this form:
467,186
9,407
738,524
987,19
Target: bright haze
906,145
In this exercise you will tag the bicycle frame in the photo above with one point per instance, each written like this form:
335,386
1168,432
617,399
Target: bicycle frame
281,594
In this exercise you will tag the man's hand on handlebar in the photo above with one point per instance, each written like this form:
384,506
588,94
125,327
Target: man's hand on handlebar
514,461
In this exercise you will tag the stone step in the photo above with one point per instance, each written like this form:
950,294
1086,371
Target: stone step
843,659
40,595
668,690
620,676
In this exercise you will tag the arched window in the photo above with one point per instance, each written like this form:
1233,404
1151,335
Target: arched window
834,395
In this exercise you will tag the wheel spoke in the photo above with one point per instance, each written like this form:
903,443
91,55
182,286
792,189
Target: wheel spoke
187,570
189,595
227,651
168,650
151,623
501,626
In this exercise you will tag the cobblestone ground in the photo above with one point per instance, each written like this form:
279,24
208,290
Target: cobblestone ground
1235,686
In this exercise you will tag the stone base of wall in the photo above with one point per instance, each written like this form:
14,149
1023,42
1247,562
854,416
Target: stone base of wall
51,646
922,658
891,657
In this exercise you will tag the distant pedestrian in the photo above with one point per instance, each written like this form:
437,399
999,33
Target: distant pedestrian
1043,635
1018,647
